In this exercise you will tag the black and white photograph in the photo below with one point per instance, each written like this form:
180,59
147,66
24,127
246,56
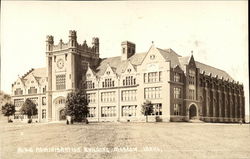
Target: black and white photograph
124,79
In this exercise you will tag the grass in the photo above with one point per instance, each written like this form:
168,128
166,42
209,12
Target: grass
133,140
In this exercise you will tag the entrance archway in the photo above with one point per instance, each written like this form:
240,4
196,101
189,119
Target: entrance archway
62,115
193,112
59,104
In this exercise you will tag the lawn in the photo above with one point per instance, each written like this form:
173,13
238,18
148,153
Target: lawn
125,140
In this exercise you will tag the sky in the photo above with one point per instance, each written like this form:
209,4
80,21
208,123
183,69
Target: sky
217,32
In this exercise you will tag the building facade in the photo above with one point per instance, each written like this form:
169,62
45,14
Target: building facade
180,88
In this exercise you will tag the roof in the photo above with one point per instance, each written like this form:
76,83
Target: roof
37,73
203,67
119,65
175,59
170,55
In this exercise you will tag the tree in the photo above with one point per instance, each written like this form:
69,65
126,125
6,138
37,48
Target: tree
8,109
147,109
28,108
77,105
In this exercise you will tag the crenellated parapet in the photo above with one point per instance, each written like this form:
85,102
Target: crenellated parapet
73,45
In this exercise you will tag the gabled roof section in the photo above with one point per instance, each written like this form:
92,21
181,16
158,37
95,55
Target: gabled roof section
37,73
203,67
90,70
170,55
119,65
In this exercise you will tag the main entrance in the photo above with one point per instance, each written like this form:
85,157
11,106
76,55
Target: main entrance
62,115
59,104
193,112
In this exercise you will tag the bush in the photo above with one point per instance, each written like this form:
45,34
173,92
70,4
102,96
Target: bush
158,119
10,121
86,121
30,121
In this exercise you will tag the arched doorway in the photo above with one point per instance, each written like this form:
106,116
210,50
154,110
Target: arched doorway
193,112
59,104
62,115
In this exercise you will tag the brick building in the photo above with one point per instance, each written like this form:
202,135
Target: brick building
180,88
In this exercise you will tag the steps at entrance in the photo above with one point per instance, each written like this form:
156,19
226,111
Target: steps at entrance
196,121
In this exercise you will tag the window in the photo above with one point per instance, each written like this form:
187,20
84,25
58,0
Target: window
177,92
129,110
32,90
108,96
152,57
18,91
128,81
18,102
34,100
160,76
191,94
177,108
145,77
108,83
90,84
108,111
152,93
123,50
60,101
44,89
191,77
60,82
152,77
157,109
128,95
91,97
92,112
177,77
43,100
43,113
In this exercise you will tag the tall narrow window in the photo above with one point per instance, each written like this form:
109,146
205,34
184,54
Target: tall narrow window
177,77
177,92
60,82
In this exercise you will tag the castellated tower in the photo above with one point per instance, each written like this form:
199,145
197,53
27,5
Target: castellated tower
67,63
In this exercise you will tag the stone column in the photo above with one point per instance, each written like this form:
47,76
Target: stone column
226,105
207,103
214,104
230,106
219,105
235,107
239,105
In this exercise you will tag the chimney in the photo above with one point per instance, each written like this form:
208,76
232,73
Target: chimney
128,50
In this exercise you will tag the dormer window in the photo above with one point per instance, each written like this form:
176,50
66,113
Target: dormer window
32,81
129,70
108,72
18,83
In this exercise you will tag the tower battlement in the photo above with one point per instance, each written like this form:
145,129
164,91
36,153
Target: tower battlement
72,43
